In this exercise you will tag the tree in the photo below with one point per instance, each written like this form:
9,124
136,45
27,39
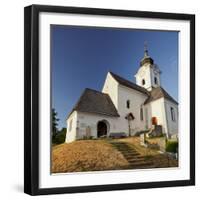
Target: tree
60,137
54,125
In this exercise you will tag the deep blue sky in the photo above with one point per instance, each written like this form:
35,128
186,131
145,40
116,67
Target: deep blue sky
82,56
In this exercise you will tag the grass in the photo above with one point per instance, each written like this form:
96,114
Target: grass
86,155
98,155
135,142
159,160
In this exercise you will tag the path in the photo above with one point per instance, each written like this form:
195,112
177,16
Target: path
135,160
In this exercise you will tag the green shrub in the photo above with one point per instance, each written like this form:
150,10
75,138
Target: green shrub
60,137
172,146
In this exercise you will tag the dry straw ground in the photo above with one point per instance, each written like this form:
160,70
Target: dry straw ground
97,155
86,155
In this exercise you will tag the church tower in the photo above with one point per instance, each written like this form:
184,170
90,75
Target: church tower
148,74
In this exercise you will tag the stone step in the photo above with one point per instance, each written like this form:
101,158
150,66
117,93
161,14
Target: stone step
141,164
133,157
130,157
123,148
119,145
127,148
129,152
136,159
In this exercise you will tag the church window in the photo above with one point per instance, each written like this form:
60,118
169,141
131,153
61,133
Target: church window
143,82
172,114
128,103
70,125
155,80
141,114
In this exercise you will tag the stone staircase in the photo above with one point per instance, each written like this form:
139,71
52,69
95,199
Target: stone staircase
136,161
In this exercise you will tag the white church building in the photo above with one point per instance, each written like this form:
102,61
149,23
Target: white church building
124,107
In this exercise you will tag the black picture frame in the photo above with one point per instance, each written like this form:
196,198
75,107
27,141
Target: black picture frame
31,99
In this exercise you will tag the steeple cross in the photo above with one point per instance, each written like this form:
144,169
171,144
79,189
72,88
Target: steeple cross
145,49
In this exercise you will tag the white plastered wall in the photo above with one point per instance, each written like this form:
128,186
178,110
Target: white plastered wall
153,75
89,120
158,110
172,125
144,73
119,95
136,101
71,133
111,88
147,72
161,109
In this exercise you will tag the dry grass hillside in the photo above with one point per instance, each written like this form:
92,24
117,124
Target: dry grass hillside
86,155
98,155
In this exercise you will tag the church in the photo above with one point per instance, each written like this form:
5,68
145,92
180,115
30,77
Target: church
125,107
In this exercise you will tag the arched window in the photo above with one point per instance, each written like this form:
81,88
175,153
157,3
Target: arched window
172,114
143,82
128,103
155,80
141,114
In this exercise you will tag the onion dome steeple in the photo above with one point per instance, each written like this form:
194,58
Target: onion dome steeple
146,58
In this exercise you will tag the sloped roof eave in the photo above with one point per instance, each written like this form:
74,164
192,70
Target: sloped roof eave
100,113
161,94
92,101
149,101
129,84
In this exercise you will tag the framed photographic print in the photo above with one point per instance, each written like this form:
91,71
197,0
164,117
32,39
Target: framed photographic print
109,100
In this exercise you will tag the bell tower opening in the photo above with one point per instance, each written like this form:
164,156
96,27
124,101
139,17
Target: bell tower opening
155,80
148,74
